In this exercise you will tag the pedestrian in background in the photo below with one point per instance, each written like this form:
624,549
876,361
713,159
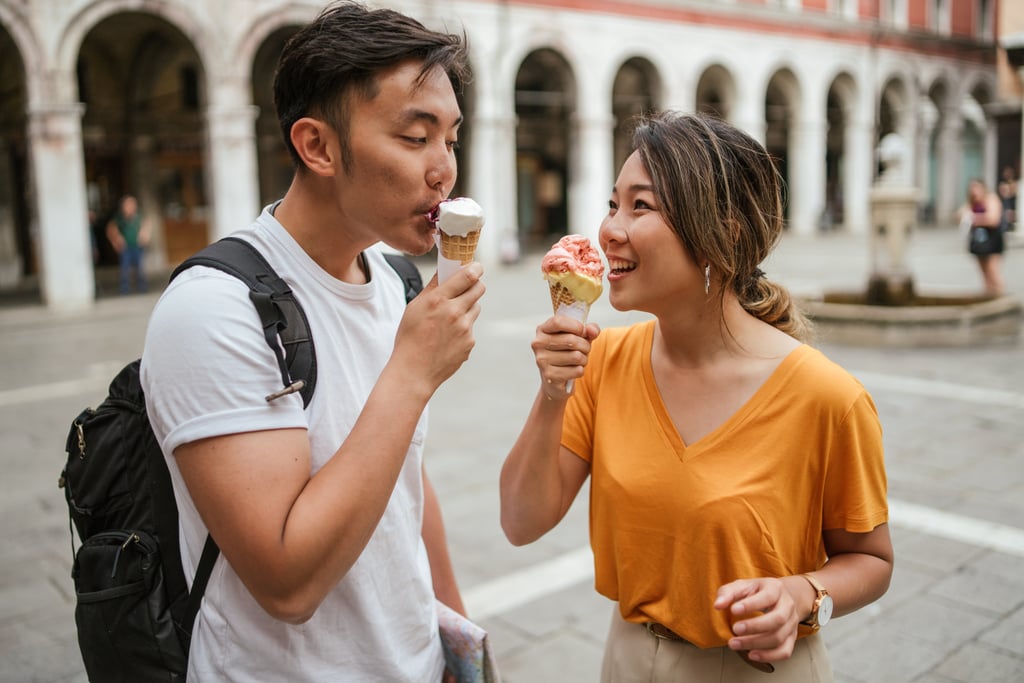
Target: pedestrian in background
738,489
129,235
1008,196
982,215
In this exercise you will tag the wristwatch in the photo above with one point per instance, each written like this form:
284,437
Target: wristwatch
821,611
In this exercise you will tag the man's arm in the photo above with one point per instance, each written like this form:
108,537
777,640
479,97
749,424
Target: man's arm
290,536
446,588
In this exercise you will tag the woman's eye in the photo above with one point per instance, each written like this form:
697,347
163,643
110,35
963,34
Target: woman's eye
612,207
418,141
452,144
640,205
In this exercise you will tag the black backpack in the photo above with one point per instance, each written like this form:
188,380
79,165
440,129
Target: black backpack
134,612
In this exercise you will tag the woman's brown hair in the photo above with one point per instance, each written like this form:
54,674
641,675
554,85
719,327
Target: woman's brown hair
721,193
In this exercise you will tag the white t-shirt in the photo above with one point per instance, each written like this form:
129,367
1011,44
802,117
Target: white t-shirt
206,369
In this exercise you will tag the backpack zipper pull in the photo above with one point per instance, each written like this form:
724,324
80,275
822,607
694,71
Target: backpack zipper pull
81,440
297,385
117,557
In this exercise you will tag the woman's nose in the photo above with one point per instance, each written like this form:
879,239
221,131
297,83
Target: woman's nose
610,232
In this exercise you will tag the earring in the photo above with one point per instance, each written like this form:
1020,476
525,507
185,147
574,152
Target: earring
707,278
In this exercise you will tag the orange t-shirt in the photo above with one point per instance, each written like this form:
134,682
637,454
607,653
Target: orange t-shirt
670,523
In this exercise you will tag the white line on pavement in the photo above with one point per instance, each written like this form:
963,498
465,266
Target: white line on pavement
518,588
95,381
970,530
938,389
541,580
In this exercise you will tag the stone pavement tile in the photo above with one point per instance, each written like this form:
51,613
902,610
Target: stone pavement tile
565,657
1008,634
1003,565
983,591
579,607
506,639
934,620
930,553
884,655
1004,507
975,663
35,651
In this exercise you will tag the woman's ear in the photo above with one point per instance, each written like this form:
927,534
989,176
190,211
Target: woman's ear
317,146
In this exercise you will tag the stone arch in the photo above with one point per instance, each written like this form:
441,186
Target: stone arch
840,107
716,93
17,248
83,22
636,89
978,160
545,105
274,165
143,83
894,108
782,121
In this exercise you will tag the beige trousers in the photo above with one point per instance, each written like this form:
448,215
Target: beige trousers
633,655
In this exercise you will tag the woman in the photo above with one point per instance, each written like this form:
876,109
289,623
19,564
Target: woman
734,469
983,214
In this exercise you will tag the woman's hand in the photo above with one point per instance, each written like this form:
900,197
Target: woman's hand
561,347
764,615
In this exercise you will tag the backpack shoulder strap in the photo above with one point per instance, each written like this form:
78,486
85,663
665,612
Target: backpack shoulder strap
409,273
284,322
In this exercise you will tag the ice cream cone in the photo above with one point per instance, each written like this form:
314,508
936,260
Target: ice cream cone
560,295
458,247
563,301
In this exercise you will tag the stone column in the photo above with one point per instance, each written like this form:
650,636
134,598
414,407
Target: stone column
949,194
594,174
926,128
493,185
807,175
234,182
10,259
857,174
749,115
62,235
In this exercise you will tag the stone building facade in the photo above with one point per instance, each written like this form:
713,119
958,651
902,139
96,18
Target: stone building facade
170,100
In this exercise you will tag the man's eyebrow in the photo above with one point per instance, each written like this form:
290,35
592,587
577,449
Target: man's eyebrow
413,115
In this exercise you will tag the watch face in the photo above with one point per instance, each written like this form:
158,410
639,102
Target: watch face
825,610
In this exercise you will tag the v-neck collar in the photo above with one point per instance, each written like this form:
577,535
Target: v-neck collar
757,401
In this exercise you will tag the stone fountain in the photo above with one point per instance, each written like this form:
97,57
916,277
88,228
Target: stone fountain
889,312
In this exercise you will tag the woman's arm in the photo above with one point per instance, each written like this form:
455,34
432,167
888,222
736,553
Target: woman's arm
540,478
857,573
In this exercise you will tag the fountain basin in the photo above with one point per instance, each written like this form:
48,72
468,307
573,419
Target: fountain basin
926,321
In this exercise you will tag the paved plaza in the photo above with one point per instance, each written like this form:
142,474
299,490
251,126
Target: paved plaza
954,437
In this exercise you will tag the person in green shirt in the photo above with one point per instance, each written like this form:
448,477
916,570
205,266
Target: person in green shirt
129,236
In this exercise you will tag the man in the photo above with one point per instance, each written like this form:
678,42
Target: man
129,235
332,544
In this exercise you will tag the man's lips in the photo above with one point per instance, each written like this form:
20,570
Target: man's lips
433,213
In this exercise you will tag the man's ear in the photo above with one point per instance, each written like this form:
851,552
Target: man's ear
317,146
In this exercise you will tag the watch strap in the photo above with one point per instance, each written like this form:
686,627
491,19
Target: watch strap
820,592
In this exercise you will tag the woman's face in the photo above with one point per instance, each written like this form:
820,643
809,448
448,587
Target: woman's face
975,192
648,267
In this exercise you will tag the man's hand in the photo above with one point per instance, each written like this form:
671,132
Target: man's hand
435,336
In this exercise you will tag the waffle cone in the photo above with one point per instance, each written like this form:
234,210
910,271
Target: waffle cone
560,295
459,248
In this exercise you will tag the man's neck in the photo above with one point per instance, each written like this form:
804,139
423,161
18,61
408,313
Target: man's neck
321,233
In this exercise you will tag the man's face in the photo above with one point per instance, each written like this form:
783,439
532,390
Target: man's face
402,162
